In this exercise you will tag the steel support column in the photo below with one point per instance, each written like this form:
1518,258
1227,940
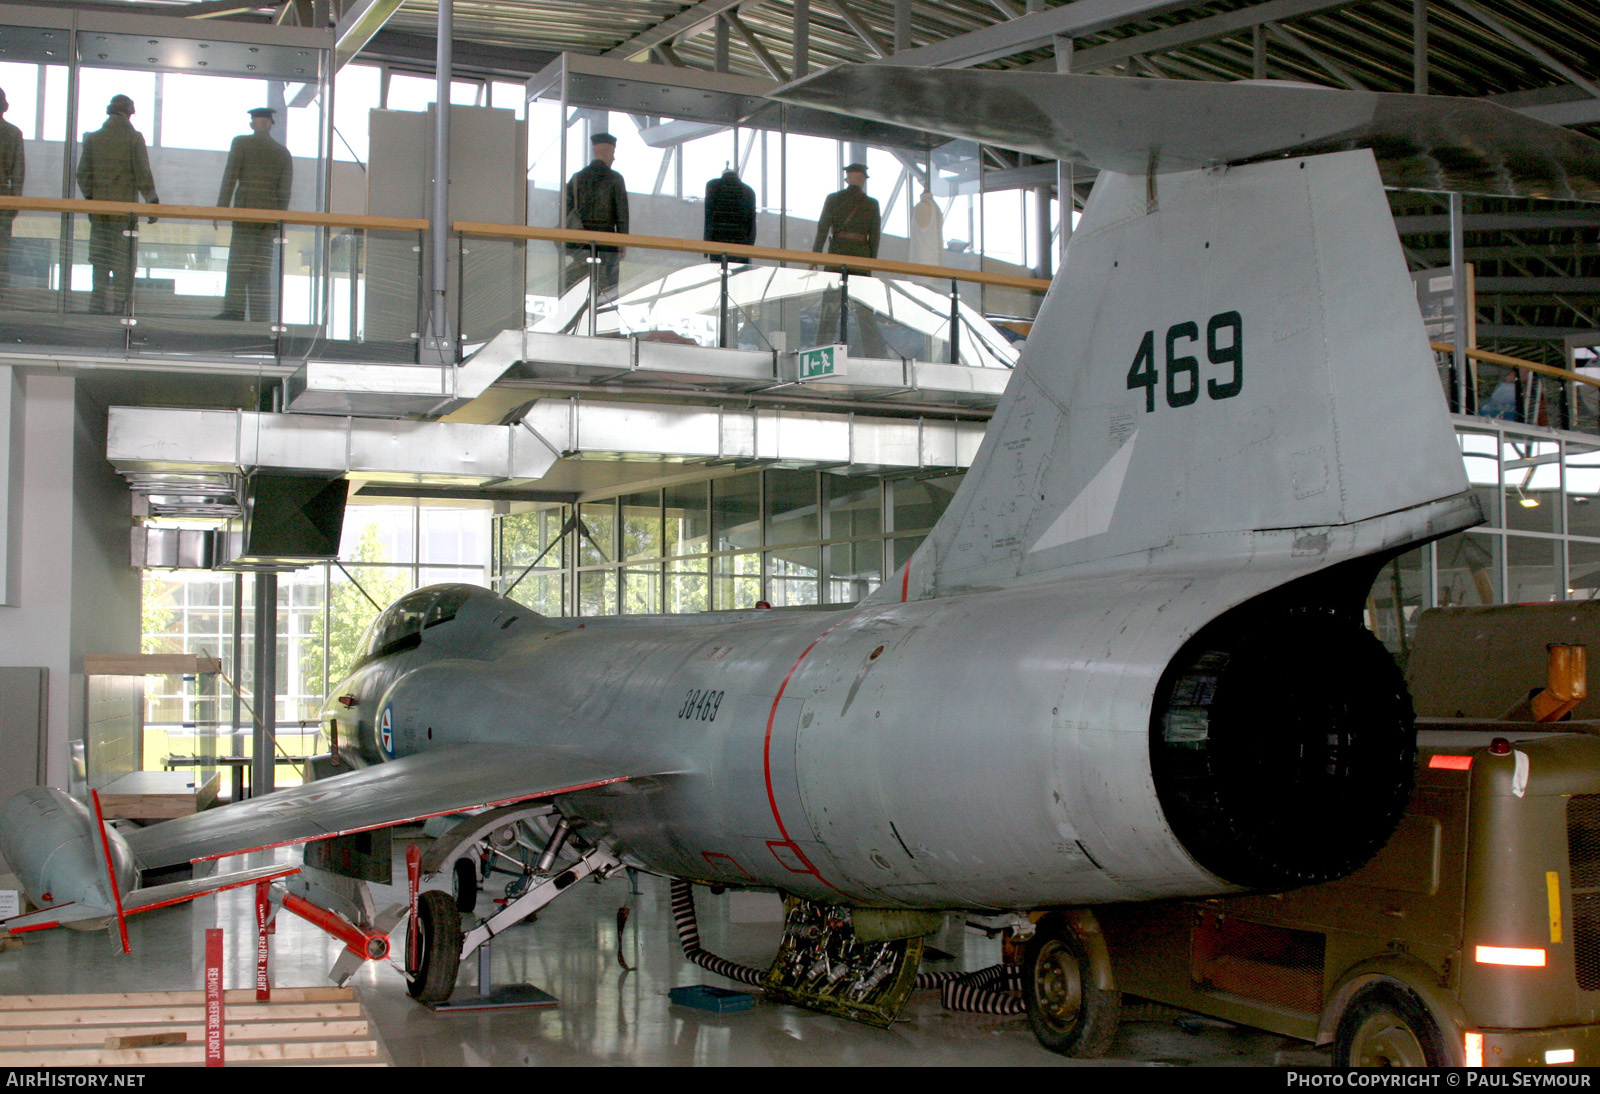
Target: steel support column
438,344
264,727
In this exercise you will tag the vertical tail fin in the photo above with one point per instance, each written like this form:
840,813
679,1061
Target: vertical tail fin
1230,365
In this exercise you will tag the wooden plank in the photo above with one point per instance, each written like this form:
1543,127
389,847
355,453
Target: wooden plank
149,664
234,1032
307,1051
117,1041
233,997
146,1029
153,1015
156,795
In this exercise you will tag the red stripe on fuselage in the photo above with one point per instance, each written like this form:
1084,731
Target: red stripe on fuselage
766,758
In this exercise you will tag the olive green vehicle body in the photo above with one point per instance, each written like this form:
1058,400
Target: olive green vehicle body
1473,863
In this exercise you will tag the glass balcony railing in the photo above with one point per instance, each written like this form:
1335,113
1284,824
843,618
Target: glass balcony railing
202,283
757,298
133,280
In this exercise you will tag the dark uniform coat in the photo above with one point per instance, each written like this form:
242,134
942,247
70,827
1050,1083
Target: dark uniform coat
258,176
597,200
730,210
849,224
114,166
11,170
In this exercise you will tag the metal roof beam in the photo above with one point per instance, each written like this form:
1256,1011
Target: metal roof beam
1034,30
357,25
1585,286
1557,105
768,61
1300,46
689,21
1430,223
1196,30
877,45
1522,43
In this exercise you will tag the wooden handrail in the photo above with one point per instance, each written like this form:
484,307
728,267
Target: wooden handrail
1517,362
215,212
740,250
483,229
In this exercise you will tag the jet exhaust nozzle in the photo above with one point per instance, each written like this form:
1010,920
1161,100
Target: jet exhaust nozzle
1284,751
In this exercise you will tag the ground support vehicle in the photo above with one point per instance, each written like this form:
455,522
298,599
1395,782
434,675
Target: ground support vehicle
1474,935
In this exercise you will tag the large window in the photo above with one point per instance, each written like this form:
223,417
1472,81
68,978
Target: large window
787,538
323,610
1540,540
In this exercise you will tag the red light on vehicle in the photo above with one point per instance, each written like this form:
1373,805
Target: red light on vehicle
1510,955
1450,763
1473,1049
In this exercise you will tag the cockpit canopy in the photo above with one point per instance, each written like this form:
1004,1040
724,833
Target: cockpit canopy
400,625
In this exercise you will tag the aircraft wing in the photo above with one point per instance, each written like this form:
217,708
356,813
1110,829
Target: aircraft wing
429,784
84,915
76,914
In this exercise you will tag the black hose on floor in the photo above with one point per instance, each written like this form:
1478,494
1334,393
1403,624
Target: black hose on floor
689,938
994,990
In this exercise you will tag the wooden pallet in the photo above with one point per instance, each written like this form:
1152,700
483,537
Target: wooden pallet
143,1029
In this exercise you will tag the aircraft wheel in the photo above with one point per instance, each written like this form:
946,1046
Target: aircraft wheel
440,959
466,879
1387,1026
1069,1014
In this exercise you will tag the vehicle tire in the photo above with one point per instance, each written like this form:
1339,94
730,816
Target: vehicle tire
439,929
1068,1013
466,879
1386,1025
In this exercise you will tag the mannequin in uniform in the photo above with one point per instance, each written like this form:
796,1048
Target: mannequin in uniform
258,176
850,224
114,166
730,210
597,201
11,172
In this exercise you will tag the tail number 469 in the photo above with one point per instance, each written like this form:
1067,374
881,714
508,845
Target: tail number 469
1224,348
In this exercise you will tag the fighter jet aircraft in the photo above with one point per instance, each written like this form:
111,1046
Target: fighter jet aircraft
1128,662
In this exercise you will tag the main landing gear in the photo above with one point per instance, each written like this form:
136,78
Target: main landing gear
533,844
1067,990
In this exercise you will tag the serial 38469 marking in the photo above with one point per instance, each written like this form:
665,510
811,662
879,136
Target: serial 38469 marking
701,705
1185,368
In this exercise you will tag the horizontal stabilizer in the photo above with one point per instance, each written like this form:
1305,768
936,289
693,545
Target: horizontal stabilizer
431,784
84,916
1131,126
176,892
76,915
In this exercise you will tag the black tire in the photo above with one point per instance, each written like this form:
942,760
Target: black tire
1068,1013
466,878
439,929
1386,1025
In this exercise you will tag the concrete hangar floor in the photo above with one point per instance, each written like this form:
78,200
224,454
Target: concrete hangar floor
605,1015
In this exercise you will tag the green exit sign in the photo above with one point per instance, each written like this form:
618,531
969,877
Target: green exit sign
821,363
